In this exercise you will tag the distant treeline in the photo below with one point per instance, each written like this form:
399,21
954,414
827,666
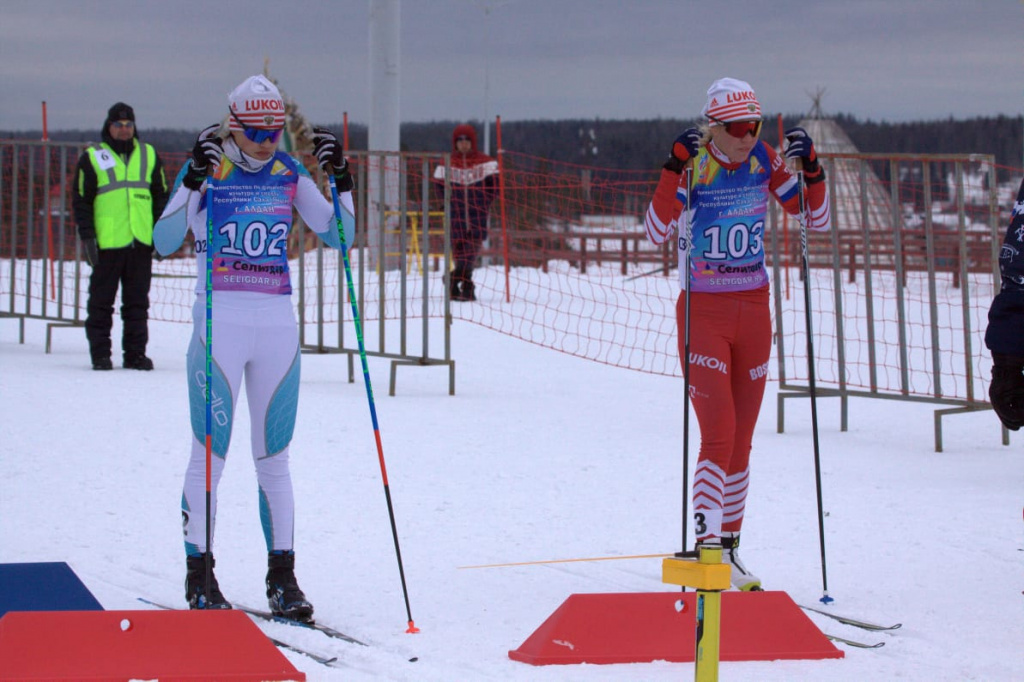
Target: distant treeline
643,144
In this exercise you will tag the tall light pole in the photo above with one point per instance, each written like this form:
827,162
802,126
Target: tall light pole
487,79
385,124
487,73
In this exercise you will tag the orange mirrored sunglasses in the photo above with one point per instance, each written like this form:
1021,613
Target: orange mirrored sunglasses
740,129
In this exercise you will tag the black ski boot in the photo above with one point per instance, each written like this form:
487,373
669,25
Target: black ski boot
195,585
283,593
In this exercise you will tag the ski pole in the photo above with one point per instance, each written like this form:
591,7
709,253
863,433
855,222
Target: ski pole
208,559
369,395
812,387
688,236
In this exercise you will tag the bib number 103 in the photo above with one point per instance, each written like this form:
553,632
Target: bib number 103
738,241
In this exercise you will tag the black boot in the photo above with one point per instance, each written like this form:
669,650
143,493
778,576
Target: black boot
458,288
468,289
195,585
283,593
455,289
137,361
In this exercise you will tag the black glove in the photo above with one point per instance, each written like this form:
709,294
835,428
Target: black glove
1007,390
801,146
205,157
329,153
684,148
92,253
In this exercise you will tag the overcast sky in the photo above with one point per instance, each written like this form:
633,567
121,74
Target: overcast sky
175,61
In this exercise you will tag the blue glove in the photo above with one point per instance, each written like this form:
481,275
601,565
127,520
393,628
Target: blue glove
801,146
684,148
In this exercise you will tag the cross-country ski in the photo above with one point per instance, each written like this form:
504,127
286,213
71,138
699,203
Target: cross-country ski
331,661
319,627
855,622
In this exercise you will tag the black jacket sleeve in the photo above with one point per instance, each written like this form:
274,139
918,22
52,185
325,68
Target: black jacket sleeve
82,197
158,189
1005,332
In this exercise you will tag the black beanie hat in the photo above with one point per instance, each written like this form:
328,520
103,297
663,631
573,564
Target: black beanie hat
120,112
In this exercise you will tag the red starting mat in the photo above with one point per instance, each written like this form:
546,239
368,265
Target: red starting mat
141,645
661,626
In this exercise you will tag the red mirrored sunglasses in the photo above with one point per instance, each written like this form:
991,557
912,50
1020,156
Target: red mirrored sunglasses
740,129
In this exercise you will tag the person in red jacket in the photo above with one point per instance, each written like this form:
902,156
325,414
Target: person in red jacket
474,180
734,173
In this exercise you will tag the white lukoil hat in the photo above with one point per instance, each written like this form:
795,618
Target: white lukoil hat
256,103
731,100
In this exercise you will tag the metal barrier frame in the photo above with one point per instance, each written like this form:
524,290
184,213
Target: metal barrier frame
23,233
374,246
58,316
788,389
65,313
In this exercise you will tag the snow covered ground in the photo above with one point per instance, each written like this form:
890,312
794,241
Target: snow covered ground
538,456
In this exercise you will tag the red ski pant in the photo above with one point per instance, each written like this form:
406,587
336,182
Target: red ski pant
730,344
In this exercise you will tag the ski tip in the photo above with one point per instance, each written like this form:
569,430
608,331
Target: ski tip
412,629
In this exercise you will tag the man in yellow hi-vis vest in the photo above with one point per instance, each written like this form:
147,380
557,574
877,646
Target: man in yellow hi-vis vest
120,190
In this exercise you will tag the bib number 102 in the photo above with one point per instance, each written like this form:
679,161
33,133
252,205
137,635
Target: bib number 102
256,240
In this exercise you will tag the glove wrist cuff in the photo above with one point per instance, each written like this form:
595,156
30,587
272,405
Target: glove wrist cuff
675,165
813,172
343,181
194,178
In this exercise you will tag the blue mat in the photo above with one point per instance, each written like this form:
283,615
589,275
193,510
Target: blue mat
50,586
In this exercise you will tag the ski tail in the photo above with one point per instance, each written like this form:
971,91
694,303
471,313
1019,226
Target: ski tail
273,618
855,622
854,643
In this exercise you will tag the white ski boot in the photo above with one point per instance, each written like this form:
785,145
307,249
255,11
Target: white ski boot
741,578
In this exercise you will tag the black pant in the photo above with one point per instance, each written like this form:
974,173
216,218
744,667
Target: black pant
132,268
